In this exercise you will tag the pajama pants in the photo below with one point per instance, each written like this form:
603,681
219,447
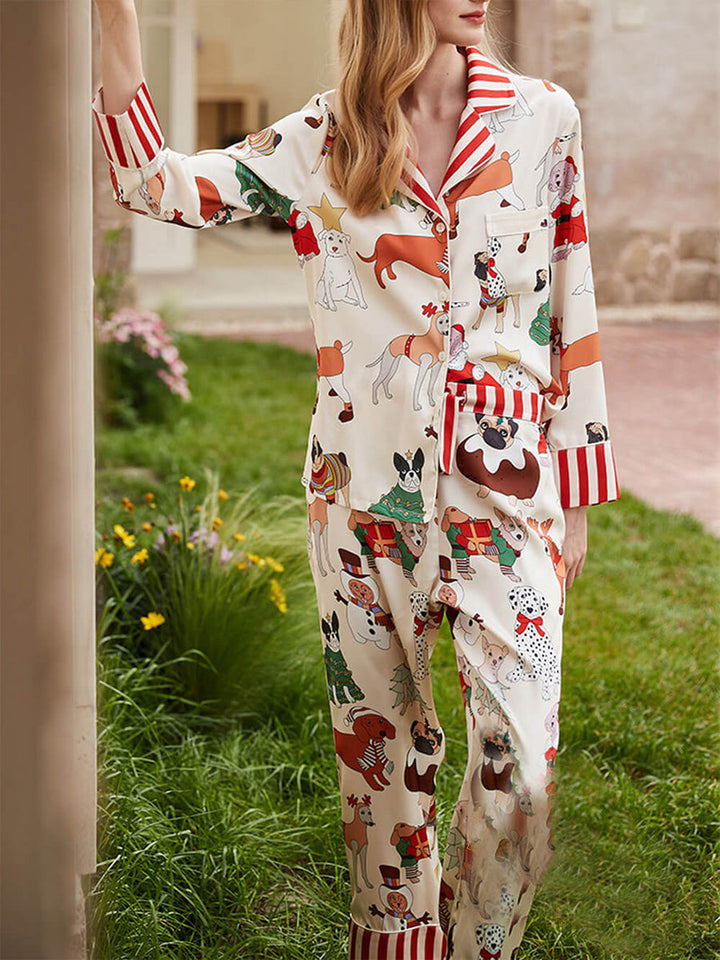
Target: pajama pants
491,562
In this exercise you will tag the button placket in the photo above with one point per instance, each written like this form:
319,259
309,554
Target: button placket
443,357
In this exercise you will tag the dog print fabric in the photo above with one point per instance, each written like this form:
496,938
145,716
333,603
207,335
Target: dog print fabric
487,285
484,560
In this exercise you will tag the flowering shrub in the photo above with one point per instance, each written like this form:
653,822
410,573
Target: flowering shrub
139,376
139,364
196,580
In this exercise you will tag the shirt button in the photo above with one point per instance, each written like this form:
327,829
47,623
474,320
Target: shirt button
442,355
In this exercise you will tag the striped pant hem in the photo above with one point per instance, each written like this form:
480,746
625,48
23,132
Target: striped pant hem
423,942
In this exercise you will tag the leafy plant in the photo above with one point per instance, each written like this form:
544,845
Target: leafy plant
139,375
205,579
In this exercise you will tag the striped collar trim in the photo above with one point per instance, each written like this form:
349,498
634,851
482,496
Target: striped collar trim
489,89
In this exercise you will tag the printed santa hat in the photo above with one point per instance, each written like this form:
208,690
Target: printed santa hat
457,339
354,713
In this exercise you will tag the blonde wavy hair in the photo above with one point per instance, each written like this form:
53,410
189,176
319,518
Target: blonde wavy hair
383,46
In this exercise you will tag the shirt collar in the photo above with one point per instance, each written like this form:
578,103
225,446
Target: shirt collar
489,89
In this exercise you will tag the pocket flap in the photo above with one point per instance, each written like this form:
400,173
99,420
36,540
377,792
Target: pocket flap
516,221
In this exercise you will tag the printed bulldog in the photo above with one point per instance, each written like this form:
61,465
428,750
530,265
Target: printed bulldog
493,460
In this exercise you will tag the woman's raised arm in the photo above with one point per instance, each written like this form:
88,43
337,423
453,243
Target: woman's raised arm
120,53
264,173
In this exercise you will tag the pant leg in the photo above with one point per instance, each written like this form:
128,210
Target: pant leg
373,580
507,632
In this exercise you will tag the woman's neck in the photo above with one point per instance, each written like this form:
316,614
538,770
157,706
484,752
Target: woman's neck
441,85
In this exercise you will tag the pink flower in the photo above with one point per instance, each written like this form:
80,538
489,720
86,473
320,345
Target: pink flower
169,354
149,333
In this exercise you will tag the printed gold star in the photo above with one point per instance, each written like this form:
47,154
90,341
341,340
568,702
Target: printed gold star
329,214
408,455
503,357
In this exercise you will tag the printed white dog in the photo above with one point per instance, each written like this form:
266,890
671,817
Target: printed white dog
339,281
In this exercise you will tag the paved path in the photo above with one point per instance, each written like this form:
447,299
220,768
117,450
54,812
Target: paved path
662,363
663,387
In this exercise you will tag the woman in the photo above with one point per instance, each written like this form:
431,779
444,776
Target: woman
436,206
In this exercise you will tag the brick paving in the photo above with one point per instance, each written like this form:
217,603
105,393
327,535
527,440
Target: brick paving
663,388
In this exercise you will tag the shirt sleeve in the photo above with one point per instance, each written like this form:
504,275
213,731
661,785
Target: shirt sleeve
264,173
577,434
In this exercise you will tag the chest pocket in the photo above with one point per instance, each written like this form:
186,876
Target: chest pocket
518,246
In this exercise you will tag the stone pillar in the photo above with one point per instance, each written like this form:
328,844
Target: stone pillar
47,720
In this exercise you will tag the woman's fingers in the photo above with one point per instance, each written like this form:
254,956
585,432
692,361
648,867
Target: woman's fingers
573,568
575,544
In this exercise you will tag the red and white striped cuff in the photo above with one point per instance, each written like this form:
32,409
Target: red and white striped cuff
586,475
131,139
423,942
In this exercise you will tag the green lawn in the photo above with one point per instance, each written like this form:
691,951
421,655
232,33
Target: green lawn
220,838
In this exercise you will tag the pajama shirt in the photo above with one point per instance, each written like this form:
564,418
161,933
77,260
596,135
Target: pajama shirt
460,406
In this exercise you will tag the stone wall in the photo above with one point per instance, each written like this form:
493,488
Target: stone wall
645,78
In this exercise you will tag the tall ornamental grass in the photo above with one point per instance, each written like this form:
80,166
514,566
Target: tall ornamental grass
213,585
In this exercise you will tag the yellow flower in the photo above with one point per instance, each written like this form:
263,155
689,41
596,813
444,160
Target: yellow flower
103,557
186,483
140,557
239,537
176,536
149,497
153,619
147,526
128,504
121,533
242,565
153,506
217,523
274,565
222,494
198,509
278,596
190,545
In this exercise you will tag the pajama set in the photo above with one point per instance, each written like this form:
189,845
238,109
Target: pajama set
460,407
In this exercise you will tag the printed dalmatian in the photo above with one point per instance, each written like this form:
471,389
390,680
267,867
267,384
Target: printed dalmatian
423,616
536,658
490,937
493,288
